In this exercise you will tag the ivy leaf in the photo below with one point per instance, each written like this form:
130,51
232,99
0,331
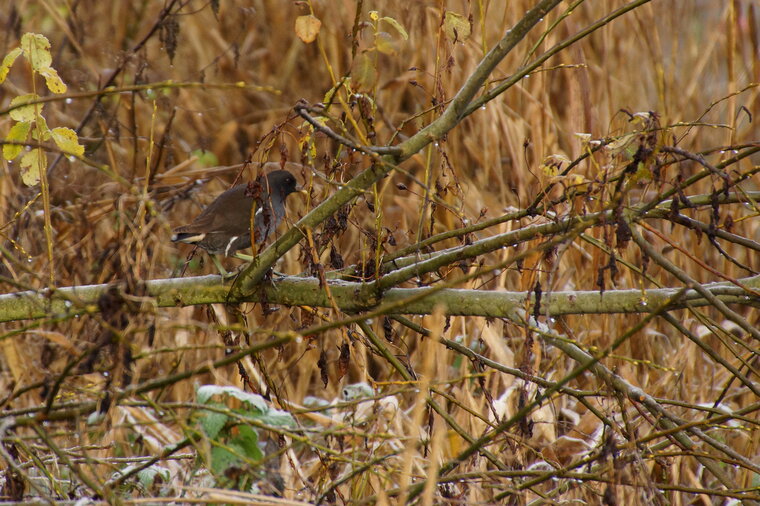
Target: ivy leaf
8,62
25,112
456,27
17,133
307,28
67,140
37,50
32,163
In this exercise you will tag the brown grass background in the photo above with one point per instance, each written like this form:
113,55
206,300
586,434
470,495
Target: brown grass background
680,59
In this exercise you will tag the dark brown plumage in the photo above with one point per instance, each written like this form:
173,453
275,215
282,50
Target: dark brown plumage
224,226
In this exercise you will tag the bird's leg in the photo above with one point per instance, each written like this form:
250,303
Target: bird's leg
249,258
222,271
241,256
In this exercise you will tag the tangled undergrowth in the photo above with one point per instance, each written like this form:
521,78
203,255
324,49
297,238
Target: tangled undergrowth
529,278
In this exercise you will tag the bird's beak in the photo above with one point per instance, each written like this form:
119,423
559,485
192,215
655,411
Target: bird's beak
303,192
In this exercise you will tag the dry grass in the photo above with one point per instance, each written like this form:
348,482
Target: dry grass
682,60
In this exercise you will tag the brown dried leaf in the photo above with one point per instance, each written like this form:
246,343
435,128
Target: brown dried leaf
307,28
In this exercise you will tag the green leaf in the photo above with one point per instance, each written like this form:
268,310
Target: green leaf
395,24
456,27
248,441
148,475
32,163
205,158
223,459
330,94
25,112
276,418
37,50
67,140
253,400
8,62
357,391
256,406
212,422
52,80
17,133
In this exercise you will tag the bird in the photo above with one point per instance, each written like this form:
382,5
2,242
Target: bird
224,227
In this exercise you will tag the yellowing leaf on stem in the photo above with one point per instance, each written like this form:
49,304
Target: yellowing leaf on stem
395,24
643,174
25,112
621,144
364,72
456,27
67,140
552,164
306,140
384,43
8,63
36,48
307,28
52,80
41,131
32,164
17,133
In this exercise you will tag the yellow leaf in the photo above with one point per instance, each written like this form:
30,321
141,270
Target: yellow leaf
53,81
384,43
19,367
41,131
27,112
17,133
456,27
374,15
552,164
395,24
364,72
37,50
8,63
306,141
32,164
549,169
307,28
621,143
67,140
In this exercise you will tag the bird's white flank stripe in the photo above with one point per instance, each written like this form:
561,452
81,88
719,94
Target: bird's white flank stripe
190,239
229,245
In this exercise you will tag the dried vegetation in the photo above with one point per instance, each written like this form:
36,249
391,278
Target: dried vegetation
639,142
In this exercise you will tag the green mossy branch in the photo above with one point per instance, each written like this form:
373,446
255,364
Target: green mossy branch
355,297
